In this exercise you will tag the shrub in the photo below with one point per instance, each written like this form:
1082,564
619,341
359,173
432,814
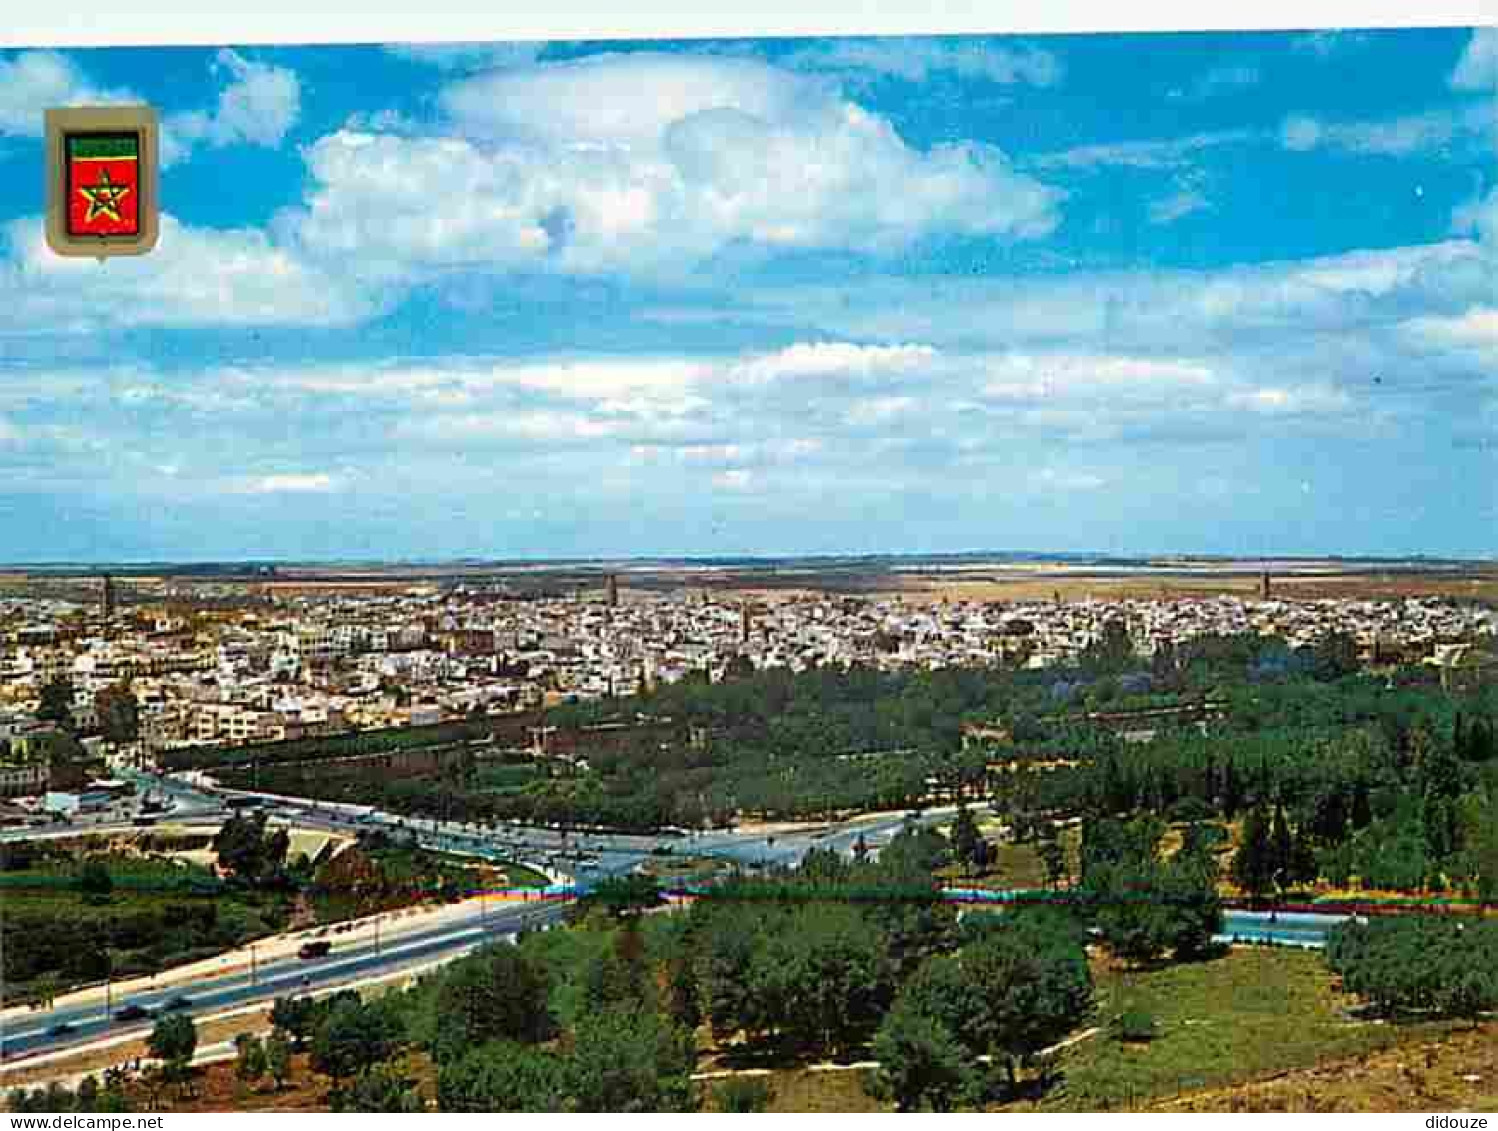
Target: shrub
1135,1024
742,1094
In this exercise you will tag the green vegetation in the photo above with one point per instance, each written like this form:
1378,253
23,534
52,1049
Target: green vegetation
389,741
90,1096
74,916
1248,1013
72,919
173,1041
1422,965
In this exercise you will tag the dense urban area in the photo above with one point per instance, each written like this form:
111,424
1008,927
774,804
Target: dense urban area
693,848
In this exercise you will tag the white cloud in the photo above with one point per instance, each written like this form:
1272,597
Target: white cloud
876,411
468,56
1477,328
835,359
1329,42
1060,378
1304,399
915,60
194,277
1169,209
1229,77
34,81
646,164
290,484
1166,153
1393,137
1478,67
1065,479
9,433
627,100
258,106
537,425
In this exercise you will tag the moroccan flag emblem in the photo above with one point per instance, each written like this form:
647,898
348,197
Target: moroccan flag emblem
103,184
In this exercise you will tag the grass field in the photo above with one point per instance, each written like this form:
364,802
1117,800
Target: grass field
1224,1021
1225,1026
1013,866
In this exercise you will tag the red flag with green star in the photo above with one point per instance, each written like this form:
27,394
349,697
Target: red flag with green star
103,184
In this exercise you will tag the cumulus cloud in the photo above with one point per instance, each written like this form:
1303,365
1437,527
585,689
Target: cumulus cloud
258,106
640,164
33,81
194,277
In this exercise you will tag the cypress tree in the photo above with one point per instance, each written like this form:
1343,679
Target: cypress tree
1232,791
1253,868
1279,843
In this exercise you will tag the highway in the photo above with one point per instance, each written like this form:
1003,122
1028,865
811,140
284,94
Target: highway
30,1035
586,858
573,860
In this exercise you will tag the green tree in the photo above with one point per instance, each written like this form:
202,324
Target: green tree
1031,986
630,1060
822,980
1302,867
1253,864
1279,845
278,1057
503,1076
1053,859
119,714
56,703
356,1036
94,879
250,1061
498,993
246,850
380,1088
967,842
923,1061
297,1016
626,895
174,1040
921,1065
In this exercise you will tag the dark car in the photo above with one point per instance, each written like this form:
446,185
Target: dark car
315,949
61,1029
178,1002
132,1012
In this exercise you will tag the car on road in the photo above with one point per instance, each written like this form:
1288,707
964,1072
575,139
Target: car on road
61,1029
315,949
132,1012
181,1001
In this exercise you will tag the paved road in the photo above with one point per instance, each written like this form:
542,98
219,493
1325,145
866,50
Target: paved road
212,994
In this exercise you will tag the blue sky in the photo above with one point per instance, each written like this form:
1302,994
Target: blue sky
1188,293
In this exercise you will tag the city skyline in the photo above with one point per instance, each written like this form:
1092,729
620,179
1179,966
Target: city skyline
1203,294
